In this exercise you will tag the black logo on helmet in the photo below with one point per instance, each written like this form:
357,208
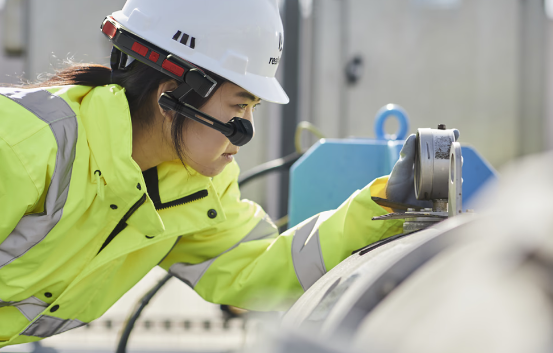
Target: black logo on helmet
184,39
280,41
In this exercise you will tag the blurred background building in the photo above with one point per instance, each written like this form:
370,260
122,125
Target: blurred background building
482,66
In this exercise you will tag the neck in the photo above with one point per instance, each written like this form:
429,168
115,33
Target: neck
149,147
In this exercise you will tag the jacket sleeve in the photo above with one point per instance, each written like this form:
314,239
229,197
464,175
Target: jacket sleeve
18,193
267,271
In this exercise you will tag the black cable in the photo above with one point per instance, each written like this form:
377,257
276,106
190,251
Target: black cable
271,166
262,169
122,346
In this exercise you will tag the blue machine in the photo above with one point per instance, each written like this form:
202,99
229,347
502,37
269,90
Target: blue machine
332,169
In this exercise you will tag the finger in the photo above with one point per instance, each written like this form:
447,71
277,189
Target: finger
404,166
408,149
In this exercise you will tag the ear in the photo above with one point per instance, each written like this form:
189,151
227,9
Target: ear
166,86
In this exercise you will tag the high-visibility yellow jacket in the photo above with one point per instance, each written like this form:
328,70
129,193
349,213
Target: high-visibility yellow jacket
80,224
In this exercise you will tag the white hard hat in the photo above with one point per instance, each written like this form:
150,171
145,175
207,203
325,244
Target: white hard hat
240,40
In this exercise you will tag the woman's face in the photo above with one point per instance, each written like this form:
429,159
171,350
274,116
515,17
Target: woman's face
207,150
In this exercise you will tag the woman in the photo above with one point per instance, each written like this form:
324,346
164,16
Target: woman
102,179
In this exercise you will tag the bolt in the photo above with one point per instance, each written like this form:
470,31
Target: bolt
410,210
441,127
427,210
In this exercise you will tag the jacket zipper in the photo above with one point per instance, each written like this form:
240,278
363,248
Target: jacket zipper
152,184
183,200
123,222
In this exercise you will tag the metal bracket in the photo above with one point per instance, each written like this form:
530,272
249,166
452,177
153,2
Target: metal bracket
455,203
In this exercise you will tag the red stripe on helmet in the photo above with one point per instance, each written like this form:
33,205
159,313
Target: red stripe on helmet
139,48
154,56
174,68
109,29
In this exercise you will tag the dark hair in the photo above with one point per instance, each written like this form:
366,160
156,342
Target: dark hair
141,83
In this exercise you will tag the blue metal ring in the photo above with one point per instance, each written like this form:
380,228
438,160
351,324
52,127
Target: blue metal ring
383,114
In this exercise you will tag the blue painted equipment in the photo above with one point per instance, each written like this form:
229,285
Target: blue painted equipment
332,169
383,114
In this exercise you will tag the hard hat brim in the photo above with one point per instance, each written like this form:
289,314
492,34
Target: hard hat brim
266,88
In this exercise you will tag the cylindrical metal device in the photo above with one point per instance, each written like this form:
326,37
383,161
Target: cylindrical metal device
432,163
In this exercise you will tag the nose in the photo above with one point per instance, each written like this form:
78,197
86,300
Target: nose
249,116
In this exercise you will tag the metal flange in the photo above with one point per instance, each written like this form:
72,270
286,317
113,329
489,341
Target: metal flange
432,163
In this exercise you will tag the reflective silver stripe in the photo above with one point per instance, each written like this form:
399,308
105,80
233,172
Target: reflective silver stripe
46,326
32,228
30,307
191,274
307,255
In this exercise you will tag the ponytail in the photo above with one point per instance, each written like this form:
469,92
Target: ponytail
77,74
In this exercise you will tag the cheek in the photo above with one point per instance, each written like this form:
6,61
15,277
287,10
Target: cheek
202,141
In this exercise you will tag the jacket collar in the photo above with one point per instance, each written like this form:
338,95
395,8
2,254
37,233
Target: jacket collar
107,121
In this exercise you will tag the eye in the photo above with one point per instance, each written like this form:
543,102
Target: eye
245,106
